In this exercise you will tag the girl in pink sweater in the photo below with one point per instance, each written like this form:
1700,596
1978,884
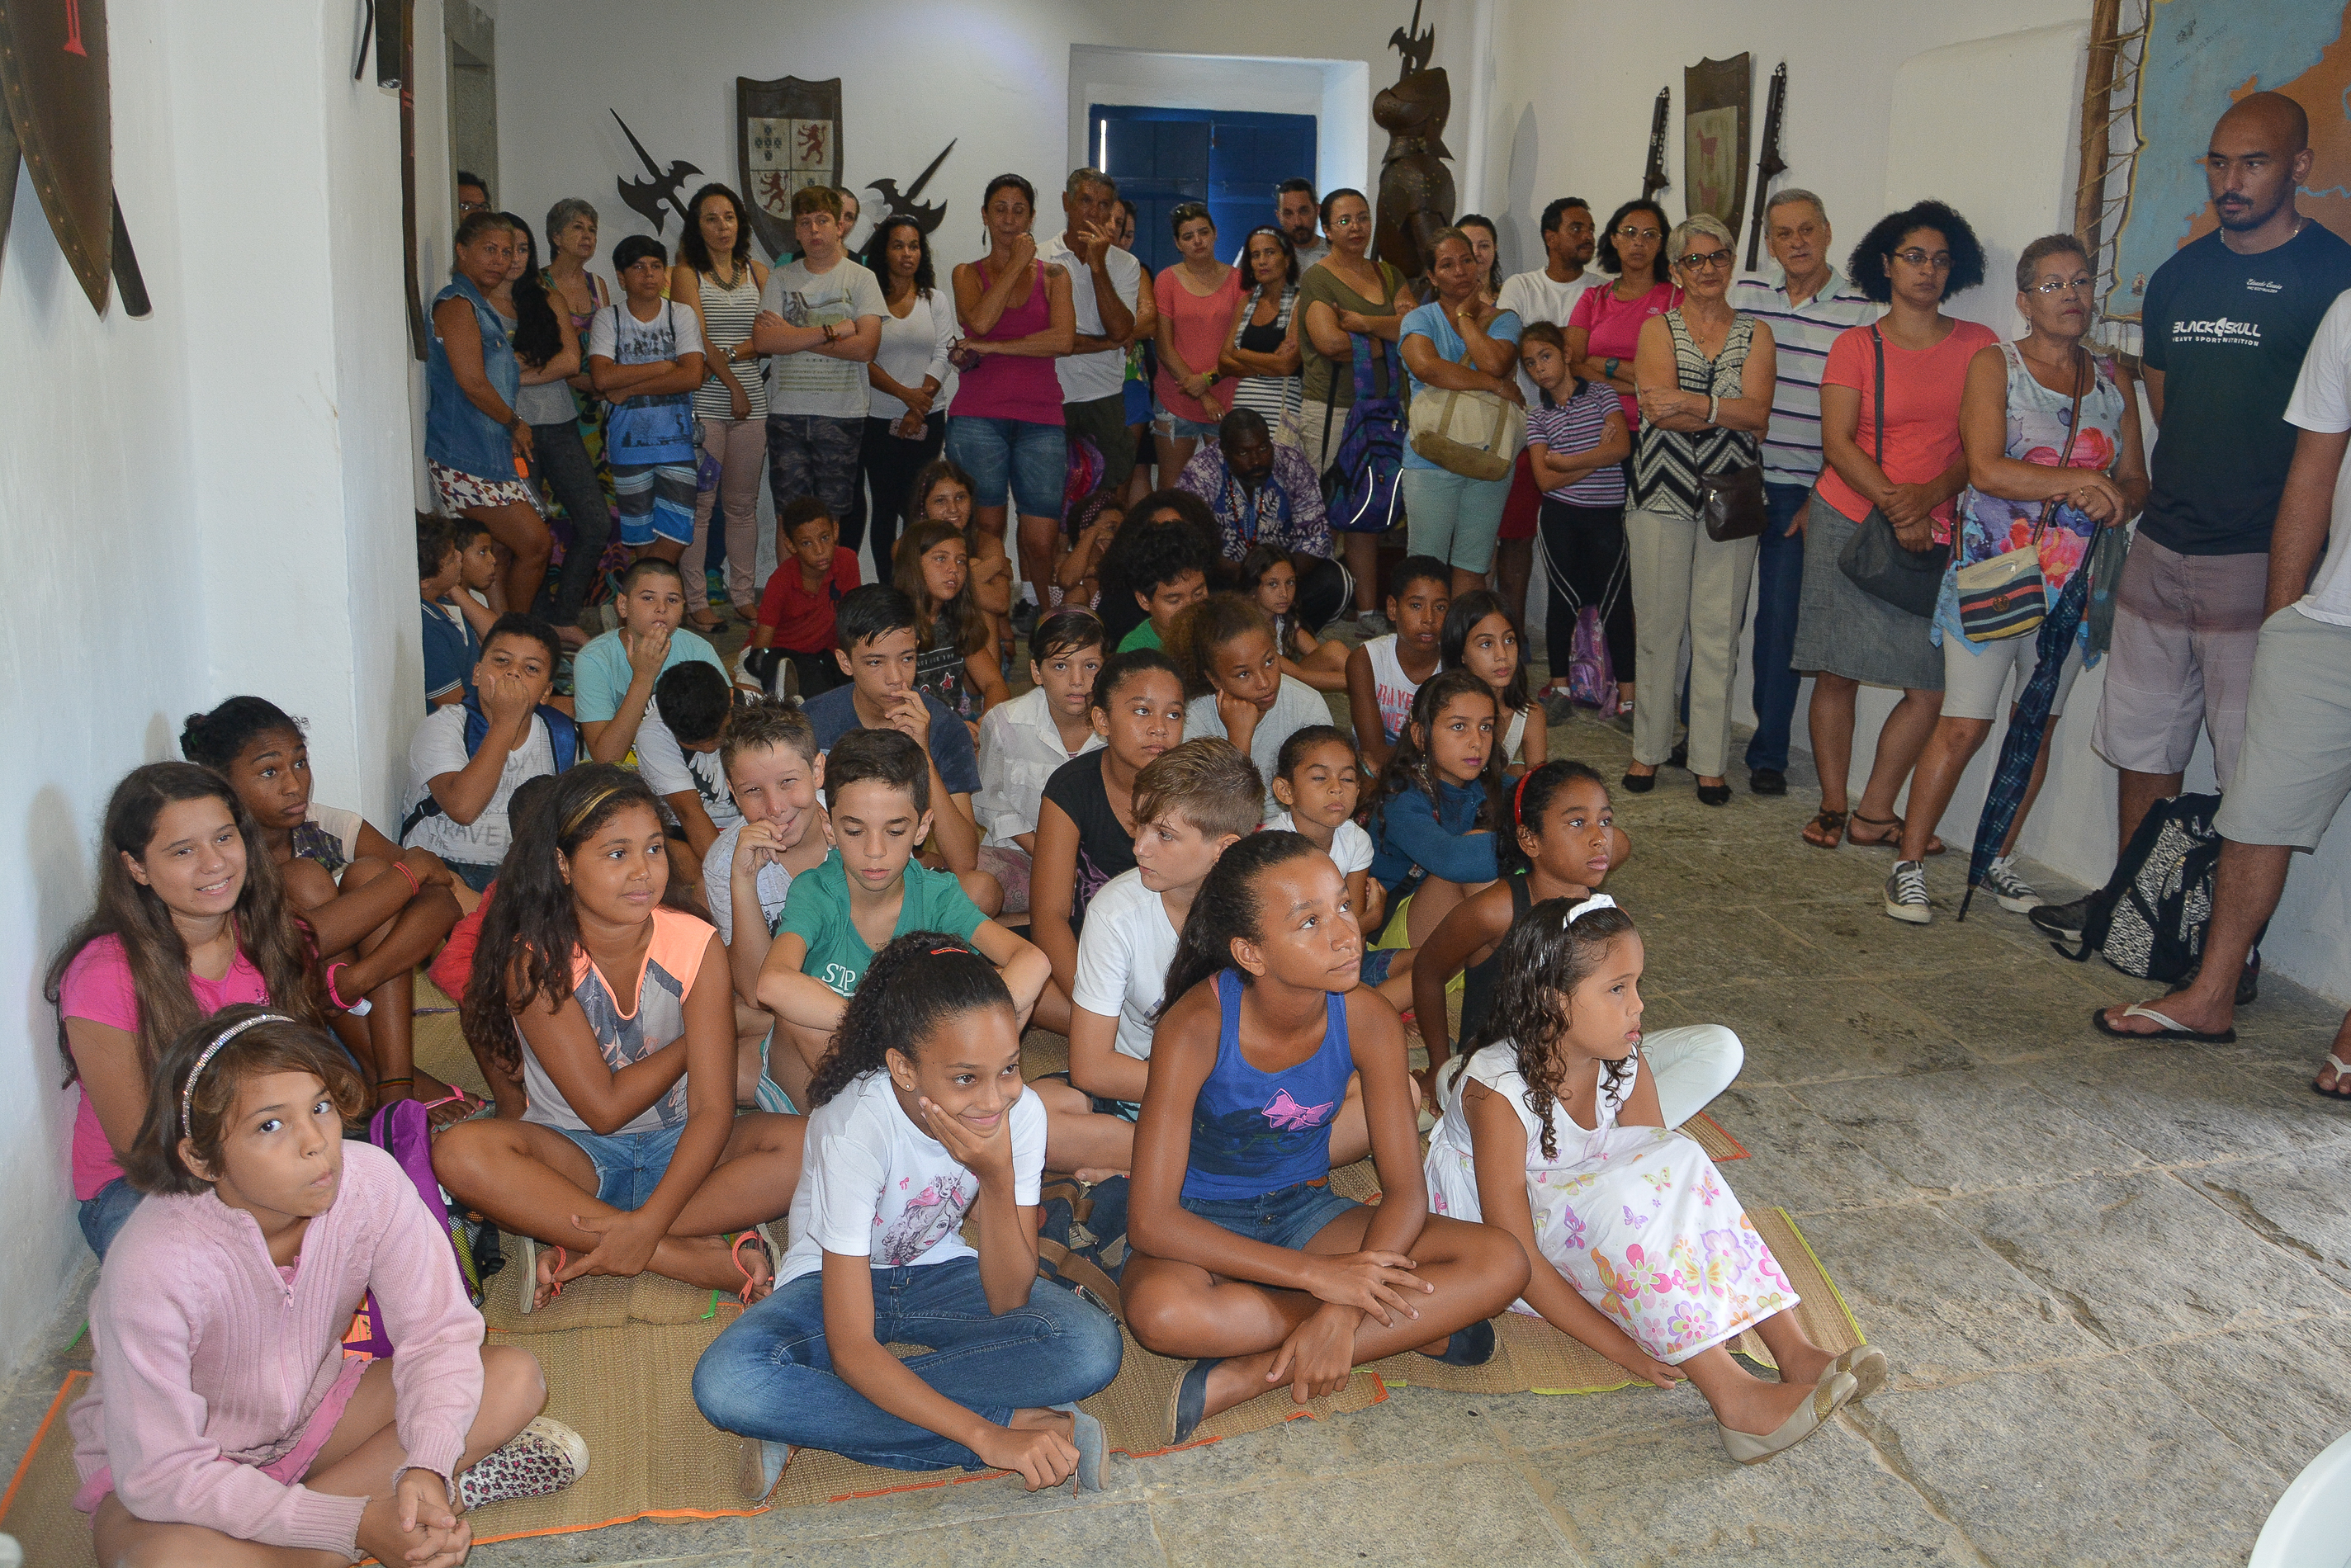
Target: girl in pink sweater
225,1425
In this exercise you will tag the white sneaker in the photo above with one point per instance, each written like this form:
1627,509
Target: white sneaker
2015,895
1905,893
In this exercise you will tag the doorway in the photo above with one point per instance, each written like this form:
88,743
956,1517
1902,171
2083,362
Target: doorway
472,37
1230,159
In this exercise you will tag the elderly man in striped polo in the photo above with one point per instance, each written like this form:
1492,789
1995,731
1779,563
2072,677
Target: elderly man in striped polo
1805,309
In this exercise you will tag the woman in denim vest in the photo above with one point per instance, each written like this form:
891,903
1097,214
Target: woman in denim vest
473,437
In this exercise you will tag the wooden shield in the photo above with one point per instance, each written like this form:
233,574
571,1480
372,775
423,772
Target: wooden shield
1716,99
53,73
787,135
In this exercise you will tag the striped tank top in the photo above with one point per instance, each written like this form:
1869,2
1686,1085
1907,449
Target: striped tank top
1668,464
726,317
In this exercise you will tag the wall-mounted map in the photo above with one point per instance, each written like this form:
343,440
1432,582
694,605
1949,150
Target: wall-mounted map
2202,56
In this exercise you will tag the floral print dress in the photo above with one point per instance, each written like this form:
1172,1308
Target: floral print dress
1990,526
1637,1218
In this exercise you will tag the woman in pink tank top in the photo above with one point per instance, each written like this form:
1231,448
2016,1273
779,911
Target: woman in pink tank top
1005,424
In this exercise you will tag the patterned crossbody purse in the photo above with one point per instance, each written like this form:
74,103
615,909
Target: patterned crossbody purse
2006,597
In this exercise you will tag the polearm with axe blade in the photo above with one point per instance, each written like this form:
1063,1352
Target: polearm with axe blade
1653,178
1770,165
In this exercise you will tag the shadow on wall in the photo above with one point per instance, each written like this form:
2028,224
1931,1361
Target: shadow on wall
64,882
1522,236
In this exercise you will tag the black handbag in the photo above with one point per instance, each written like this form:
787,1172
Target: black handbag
1732,504
1877,562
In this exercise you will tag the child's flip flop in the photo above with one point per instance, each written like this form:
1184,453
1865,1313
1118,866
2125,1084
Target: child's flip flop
2170,1028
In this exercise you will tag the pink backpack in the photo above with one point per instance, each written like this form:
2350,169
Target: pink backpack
1591,677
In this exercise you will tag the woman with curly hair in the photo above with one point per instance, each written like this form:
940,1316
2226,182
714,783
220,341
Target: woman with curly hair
1634,1245
616,1011
1900,460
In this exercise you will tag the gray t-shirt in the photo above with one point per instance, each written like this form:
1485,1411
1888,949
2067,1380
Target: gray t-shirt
808,383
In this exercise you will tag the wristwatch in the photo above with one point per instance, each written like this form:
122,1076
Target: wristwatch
1608,367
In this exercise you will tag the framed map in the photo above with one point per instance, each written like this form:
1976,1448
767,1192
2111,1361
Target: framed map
2202,55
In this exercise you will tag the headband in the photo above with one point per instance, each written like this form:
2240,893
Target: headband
587,811
1592,905
1519,798
188,1094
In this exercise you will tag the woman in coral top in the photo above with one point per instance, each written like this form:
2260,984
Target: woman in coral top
1907,465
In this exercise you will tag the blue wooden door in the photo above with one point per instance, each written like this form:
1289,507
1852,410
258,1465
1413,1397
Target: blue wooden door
1230,159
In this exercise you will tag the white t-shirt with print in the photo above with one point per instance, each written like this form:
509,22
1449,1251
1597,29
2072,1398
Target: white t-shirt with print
438,747
617,335
669,768
874,1185
1124,952
2322,402
808,383
774,884
1535,297
1351,846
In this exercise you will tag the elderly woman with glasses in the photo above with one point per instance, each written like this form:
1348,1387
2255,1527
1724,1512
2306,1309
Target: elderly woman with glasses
1902,461
1705,373
2051,440
1604,330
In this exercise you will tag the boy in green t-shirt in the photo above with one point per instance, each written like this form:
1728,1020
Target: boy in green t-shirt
870,890
1168,572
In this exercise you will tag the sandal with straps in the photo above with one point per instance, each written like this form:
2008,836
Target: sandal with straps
531,1274
1832,830
1892,838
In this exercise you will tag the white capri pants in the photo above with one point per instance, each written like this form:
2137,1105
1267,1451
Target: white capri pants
1974,675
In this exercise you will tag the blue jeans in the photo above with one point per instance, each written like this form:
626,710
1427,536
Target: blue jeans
104,1211
629,1166
1452,518
1778,584
1288,1218
1026,458
769,1375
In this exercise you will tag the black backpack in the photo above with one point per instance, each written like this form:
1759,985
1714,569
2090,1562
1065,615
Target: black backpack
2149,920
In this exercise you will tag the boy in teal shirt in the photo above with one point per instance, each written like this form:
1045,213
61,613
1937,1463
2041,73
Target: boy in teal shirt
869,890
612,677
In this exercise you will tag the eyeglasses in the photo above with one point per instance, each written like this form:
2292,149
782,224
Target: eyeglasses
467,208
2052,286
1707,263
1939,260
1632,233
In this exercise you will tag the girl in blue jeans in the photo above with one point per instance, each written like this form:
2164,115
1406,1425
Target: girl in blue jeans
920,1120
1244,1258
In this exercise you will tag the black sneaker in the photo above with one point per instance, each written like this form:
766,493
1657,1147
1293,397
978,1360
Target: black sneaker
2063,922
1767,780
1024,617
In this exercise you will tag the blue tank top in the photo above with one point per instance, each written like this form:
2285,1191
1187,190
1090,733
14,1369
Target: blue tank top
1254,1133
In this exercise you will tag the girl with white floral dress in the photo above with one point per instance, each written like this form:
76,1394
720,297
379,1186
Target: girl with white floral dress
1637,1247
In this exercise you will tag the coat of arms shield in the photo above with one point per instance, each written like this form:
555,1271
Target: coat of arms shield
787,136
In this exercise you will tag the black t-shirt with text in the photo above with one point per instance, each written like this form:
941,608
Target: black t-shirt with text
2228,332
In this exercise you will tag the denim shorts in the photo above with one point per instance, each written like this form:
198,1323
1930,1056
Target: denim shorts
1030,459
104,1211
629,1166
1289,1218
1177,426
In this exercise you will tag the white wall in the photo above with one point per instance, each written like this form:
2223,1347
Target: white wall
998,77
215,499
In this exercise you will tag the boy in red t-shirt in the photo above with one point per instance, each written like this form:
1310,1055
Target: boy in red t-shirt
796,612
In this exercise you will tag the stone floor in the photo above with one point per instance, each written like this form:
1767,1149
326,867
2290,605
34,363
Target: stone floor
2114,1282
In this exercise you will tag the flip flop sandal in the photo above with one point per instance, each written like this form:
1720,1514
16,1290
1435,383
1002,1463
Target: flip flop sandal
2170,1028
759,1235
2342,1090
1188,1407
1832,826
531,1274
1893,839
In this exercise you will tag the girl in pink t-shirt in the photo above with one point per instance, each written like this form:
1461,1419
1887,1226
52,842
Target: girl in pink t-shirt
191,917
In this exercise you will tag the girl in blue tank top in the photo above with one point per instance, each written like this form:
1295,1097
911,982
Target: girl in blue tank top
1244,1260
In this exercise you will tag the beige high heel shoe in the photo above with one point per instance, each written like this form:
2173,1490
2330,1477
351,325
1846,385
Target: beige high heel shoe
1827,1395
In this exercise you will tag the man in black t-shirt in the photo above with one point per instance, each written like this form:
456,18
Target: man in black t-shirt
2227,320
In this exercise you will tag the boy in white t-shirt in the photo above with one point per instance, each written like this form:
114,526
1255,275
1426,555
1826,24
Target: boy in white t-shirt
1191,803
920,1123
1318,780
1022,741
465,760
773,771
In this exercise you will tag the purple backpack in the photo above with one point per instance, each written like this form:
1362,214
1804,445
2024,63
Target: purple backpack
1362,488
403,1130
1591,677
